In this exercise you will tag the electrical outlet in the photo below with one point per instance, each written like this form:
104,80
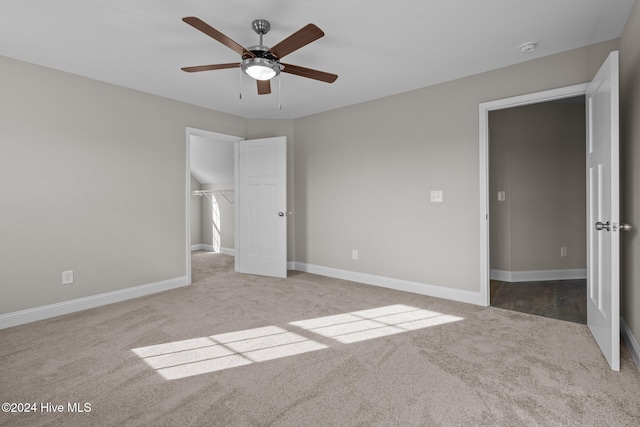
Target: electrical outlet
67,277
436,196
354,254
563,252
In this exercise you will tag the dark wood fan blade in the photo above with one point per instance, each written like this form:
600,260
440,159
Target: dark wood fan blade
309,73
210,67
295,41
264,87
200,25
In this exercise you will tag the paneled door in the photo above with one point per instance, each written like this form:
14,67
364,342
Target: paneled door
261,206
603,213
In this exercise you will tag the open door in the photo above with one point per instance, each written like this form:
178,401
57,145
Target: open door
603,213
261,206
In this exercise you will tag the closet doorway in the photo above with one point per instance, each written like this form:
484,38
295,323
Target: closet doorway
210,192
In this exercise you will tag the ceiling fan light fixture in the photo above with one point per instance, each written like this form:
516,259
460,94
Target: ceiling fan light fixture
260,68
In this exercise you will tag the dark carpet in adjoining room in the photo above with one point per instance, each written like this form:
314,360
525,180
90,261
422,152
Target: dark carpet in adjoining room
558,299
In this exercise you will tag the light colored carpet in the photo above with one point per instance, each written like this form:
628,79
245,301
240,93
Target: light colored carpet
456,365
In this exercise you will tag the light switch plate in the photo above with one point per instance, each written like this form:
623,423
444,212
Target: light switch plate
67,277
502,196
436,195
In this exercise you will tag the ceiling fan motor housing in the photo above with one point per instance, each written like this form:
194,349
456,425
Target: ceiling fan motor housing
264,59
261,51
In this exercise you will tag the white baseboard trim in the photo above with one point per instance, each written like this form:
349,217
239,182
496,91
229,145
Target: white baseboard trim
634,347
398,284
202,247
58,309
538,275
502,275
209,248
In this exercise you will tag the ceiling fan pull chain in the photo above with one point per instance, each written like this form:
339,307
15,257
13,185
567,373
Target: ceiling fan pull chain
240,84
279,92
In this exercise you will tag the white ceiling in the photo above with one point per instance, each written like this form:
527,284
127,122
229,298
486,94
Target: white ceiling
378,48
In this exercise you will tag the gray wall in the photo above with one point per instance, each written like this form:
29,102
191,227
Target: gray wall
92,178
630,164
537,156
364,174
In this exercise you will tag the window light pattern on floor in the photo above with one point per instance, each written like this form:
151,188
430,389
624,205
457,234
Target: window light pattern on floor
374,323
196,356
181,359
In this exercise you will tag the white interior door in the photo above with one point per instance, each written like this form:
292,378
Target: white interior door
261,206
603,216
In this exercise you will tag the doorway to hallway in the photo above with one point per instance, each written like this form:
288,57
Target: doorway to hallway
537,188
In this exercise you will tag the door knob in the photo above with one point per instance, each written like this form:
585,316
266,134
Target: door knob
603,226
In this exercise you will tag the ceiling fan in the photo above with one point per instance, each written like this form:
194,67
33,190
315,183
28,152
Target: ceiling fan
260,62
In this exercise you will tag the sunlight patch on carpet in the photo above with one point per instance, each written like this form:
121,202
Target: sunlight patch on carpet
181,359
186,358
374,323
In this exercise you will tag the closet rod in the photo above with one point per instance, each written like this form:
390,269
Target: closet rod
209,193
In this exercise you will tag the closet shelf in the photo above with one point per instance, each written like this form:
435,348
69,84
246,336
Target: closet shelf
227,194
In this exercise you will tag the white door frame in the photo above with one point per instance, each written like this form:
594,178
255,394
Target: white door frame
485,108
212,136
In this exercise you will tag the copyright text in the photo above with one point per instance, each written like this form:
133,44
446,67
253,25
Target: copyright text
46,407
